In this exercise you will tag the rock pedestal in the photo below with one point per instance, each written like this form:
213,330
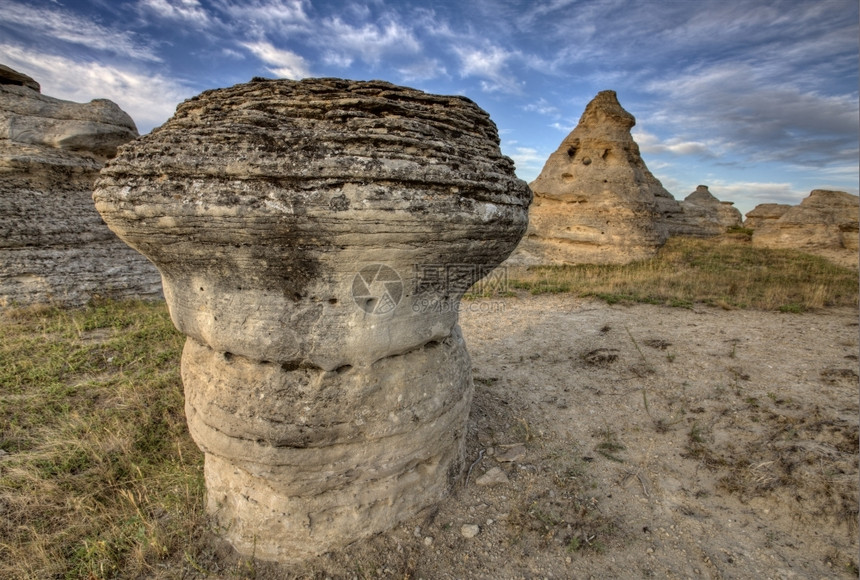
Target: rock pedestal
315,239
595,200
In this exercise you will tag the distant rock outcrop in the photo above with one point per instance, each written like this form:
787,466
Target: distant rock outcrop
54,245
703,215
595,200
765,213
825,223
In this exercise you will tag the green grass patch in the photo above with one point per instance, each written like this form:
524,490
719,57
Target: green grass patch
727,272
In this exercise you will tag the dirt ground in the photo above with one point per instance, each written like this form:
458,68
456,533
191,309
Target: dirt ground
637,441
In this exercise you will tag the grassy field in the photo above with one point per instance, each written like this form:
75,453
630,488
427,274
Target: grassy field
98,476
730,274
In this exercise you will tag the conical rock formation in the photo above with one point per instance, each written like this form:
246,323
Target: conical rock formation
595,200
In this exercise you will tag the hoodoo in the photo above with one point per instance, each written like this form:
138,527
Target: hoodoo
315,239
595,200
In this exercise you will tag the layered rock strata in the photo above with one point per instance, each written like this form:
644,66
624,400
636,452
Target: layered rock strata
703,215
315,238
825,223
595,200
55,246
765,213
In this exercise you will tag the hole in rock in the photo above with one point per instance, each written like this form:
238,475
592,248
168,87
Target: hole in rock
343,369
228,356
571,152
332,300
605,153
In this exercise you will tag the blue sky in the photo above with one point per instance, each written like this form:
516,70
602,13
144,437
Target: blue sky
757,99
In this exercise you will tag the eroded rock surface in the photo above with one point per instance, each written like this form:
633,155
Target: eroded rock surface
315,238
55,246
765,213
703,215
595,200
825,223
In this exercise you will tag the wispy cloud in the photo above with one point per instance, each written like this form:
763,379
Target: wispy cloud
149,98
284,63
543,107
759,119
57,24
756,192
367,41
650,143
489,63
529,161
266,15
425,69
186,11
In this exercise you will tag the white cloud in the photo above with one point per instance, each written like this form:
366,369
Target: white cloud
422,70
284,63
149,98
563,127
529,161
543,107
58,24
189,11
649,143
491,65
755,193
369,42
272,15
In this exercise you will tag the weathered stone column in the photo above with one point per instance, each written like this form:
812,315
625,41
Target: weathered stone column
314,240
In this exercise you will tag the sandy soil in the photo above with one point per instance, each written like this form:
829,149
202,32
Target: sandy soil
641,441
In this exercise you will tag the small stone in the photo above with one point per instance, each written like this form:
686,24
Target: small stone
470,530
511,454
428,541
495,476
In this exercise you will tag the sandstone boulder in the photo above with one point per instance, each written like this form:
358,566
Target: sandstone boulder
825,223
703,215
9,76
595,200
765,213
315,238
55,246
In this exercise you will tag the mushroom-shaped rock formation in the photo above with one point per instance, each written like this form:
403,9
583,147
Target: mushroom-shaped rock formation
825,223
595,200
55,247
315,238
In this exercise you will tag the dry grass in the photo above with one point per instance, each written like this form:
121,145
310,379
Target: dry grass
727,272
98,476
